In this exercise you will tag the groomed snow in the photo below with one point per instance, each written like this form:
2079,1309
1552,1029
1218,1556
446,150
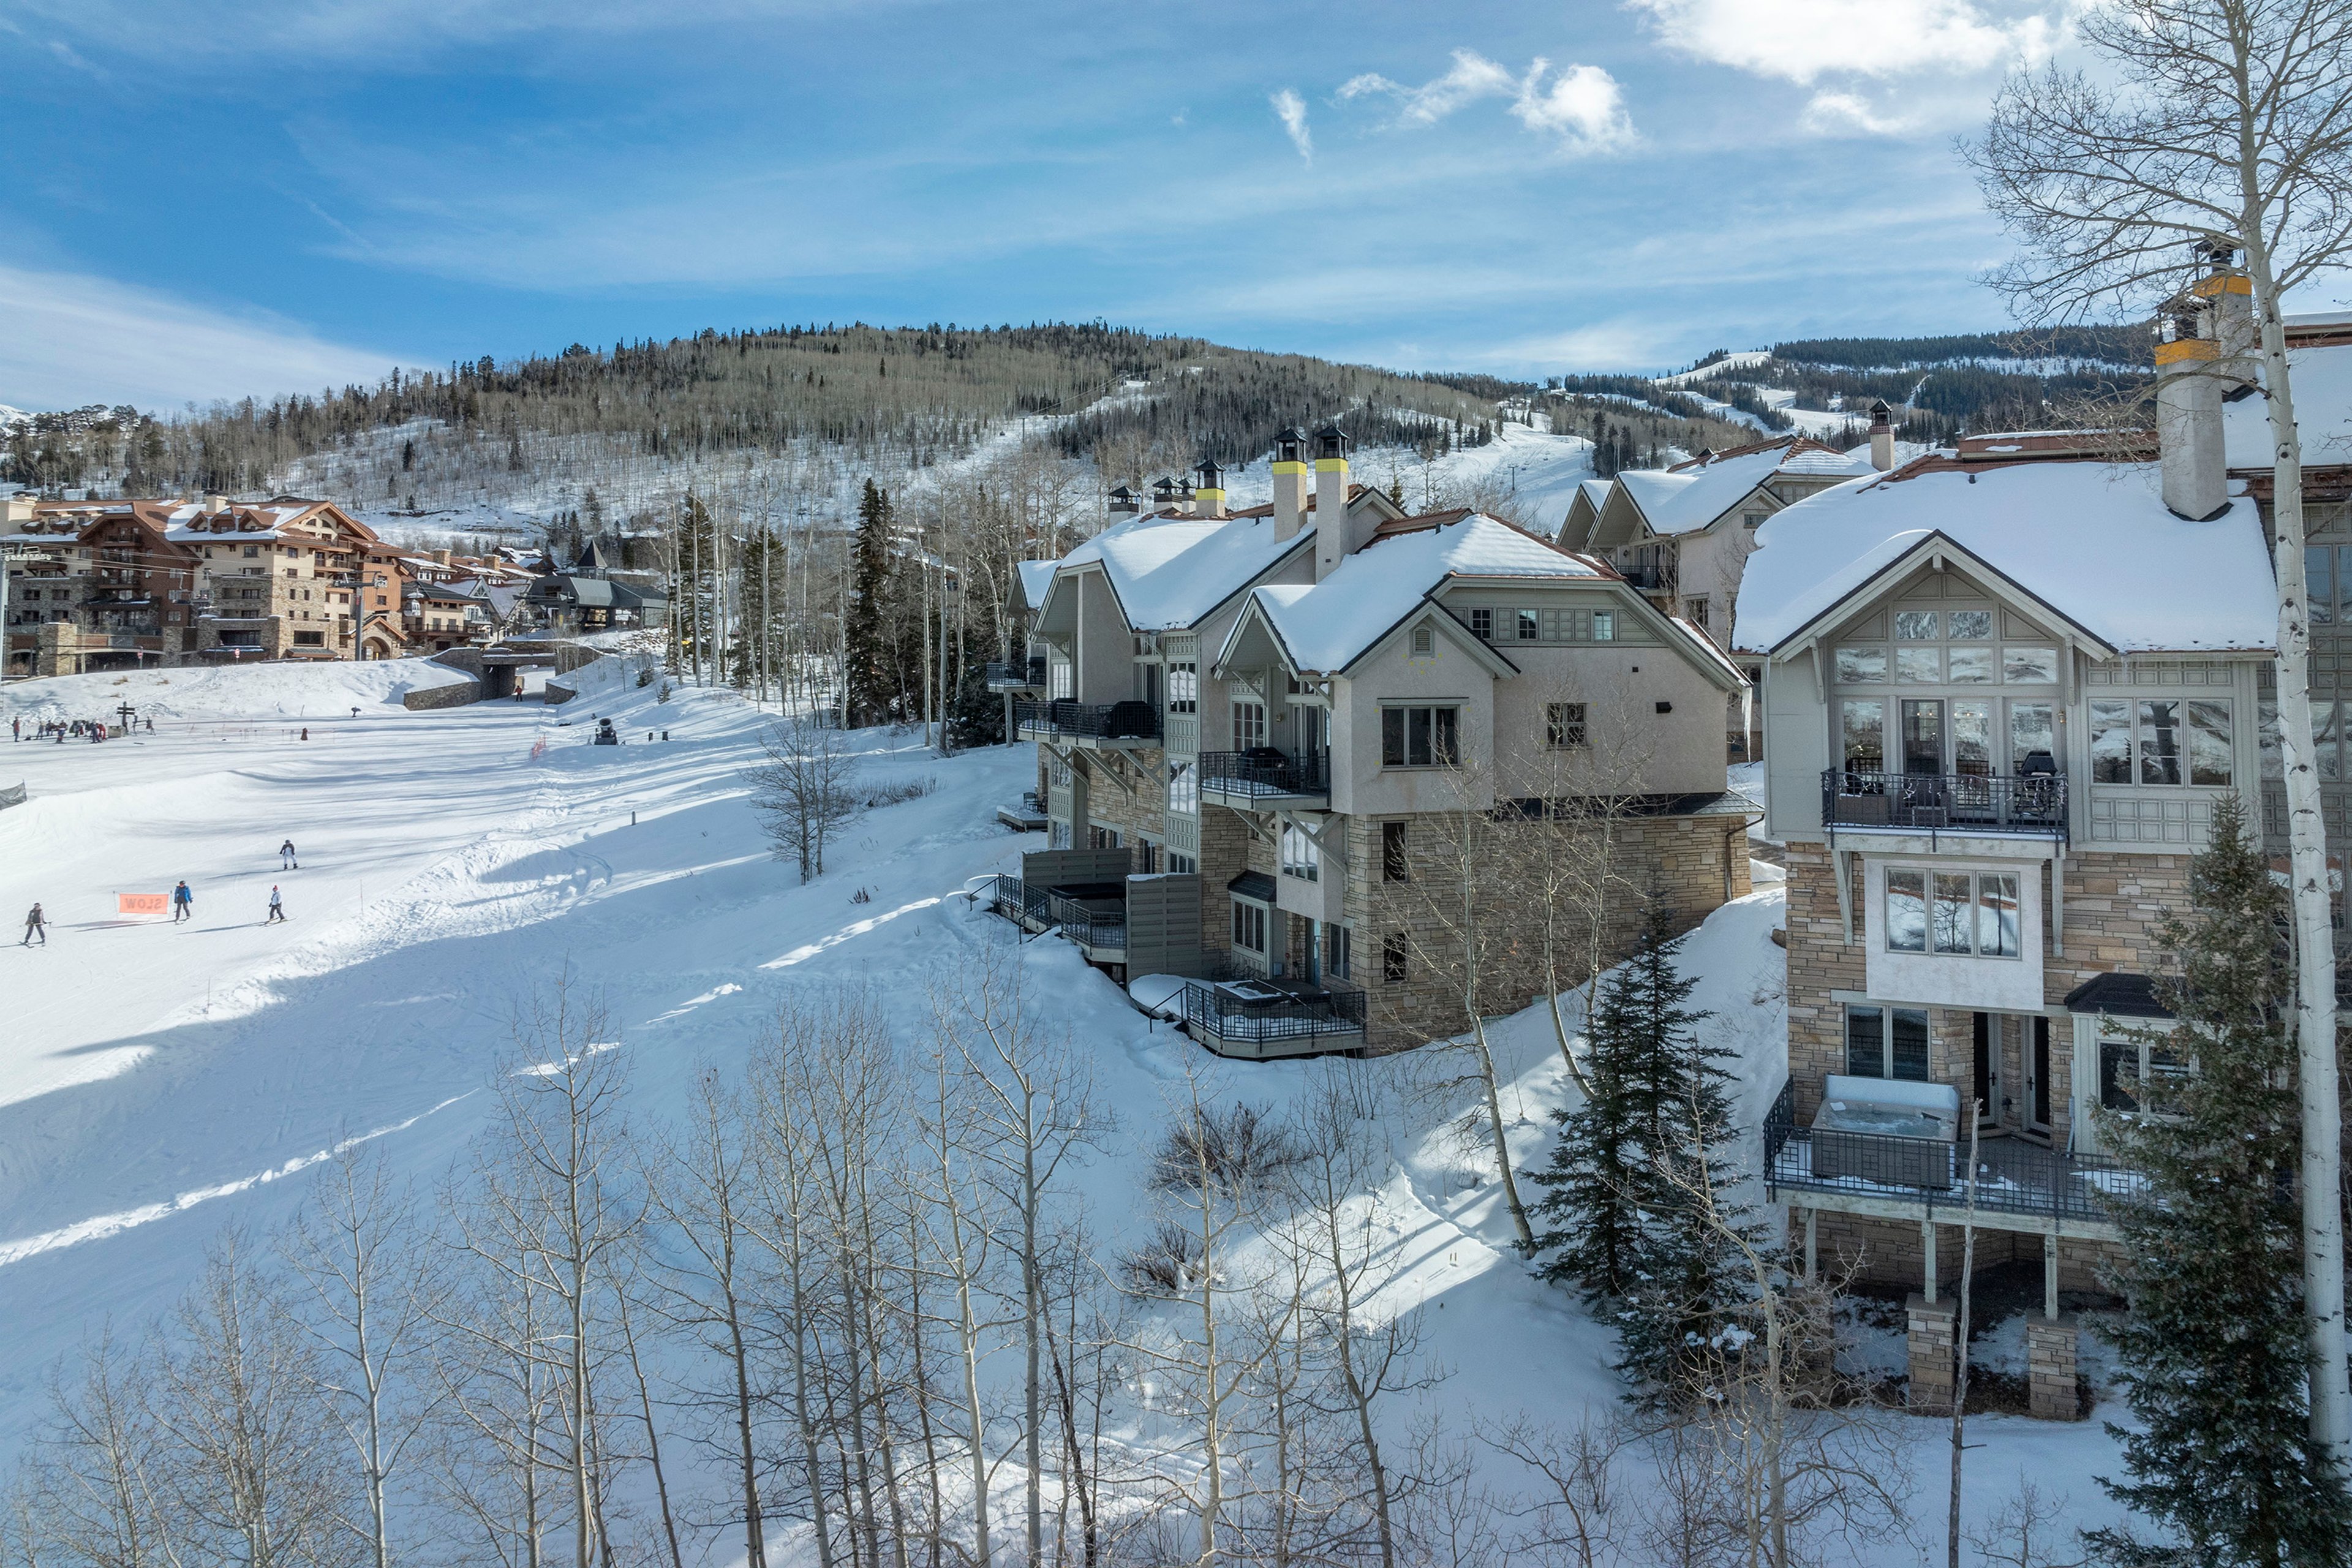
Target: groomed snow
157,1083
2093,540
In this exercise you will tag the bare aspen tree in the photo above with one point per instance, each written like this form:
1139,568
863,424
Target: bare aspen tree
2215,124
628,1334
1575,1515
1345,1261
372,1285
550,1205
1213,1168
498,1447
701,1187
236,1395
789,1226
1031,1100
1459,924
94,1490
802,792
959,1229
1773,1461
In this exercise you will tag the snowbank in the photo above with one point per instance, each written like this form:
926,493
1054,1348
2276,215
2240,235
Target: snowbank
281,689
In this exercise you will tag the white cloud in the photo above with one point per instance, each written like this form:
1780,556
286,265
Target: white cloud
1848,113
71,340
1799,41
1474,77
1583,106
1291,109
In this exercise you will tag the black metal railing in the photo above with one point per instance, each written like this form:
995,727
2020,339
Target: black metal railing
1015,674
1255,1011
2011,1176
1099,721
1042,909
1264,771
1930,803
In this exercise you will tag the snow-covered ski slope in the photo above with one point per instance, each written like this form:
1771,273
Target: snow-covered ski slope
160,1082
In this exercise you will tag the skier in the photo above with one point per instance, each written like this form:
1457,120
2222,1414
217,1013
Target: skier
184,903
35,926
287,859
276,909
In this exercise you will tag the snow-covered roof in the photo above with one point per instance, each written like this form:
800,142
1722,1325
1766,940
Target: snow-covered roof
1689,497
1328,626
1036,577
2093,541
1171,571
2322,383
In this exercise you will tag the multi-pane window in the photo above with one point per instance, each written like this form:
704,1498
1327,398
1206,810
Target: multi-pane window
1183,789
1101,837
1392,957
1945,648
1395,865
1058,773
1181,862
1249,725
1249,927
1184,689
1529,626
1482,623
1060,679
1886,1042
1695,612
1419,737
2137,1075
2161,740
1961,912
1564,725
1299,856
1424,641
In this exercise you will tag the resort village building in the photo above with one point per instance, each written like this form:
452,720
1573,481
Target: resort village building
2003,688
1260,732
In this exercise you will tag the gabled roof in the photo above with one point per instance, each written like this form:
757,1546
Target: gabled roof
1170,573
1035,580
2092,540
1689,495
1328,626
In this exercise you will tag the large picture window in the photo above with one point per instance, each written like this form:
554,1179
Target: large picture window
1418,737
1183,789
1886,1042
2162,741
2140,1076
1968,913
1184,689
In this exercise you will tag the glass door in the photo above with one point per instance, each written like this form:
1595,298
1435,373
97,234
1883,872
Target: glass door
1923,737
1987,1084
2037,1076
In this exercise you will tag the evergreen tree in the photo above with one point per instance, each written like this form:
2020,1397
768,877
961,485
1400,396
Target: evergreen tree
871,676
1629,1230
2213,1355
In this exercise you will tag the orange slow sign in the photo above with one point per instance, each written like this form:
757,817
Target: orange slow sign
142,903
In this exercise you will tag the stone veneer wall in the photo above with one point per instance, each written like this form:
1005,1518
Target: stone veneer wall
1695,864
2114,902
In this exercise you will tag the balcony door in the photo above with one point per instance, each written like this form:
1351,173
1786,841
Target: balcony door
2037,1076
1923,736
1987,1082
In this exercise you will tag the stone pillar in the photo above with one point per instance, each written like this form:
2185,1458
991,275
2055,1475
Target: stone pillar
1933,1364
2050,1352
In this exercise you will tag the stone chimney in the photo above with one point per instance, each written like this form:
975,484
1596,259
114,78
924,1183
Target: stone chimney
442,556
214,504
1209,490
1289,484
2228,296
2188,387
1331,445
1882,436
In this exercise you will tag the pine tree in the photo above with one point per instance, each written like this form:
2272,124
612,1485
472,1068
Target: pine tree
2213,1352
1603,1177
872,680
1657,1121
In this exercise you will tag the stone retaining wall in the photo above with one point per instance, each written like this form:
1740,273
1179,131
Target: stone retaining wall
456,694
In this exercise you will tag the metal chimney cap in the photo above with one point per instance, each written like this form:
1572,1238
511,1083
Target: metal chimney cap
1331,441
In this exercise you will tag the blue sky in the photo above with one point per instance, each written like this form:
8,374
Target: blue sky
208,200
